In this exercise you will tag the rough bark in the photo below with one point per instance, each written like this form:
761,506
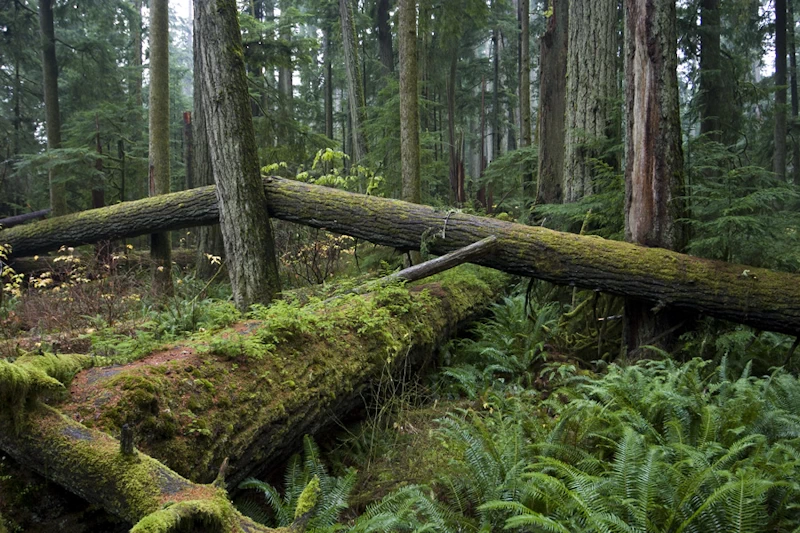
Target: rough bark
159,183
779,154
355,87
552,104
58,191
654,156
328,81
409,112
296,370
590,92
757,297
209,238
246,231
135,21
525,91
384,36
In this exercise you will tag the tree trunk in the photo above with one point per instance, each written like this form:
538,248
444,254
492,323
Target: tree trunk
456,182
385,36
711,91
757,297
328,82
525,91
793,126
779,155
409,112
654,156
552,104
58,191
135,21
355,89
590,92
285,135
209,238
159,183
296,371
246,231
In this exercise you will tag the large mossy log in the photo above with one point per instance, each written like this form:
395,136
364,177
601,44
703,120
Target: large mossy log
251,392
757,297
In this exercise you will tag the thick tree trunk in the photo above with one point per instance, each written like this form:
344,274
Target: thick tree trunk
654,169
552,104
355,88
757,297
246,231
294,372
160,245
328,52
793,124
135,85
591,88
385,36
525,91
58,191
779,154
209,238
409,112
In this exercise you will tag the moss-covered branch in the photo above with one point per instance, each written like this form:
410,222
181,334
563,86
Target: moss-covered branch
760,298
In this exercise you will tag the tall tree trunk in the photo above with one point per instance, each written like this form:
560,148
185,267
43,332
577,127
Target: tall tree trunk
58,192
209,238
328,82
497,136
135,87
355,89
653,152
160,245
711,93
409,112
451,128
793,128
591,87
246,231
779,155
285,87
525,90
384,36
552,104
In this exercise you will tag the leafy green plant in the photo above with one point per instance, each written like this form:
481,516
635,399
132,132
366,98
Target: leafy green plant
332,499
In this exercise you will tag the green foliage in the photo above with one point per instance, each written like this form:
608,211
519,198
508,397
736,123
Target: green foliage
304,475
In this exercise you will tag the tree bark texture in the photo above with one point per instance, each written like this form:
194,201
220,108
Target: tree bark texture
159,176
779,154
757,297
355,87
409,104
209,238
135,21
525,89
246,231
58,191
654,156
552,104
297,369
590,92
793,123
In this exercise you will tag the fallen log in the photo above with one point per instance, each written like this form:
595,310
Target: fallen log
250,393
10,222
757,297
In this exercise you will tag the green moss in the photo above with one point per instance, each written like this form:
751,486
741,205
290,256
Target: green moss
308,498
214,514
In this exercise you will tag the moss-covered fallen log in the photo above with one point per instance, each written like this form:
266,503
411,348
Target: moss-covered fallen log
90,463
757,297
250,393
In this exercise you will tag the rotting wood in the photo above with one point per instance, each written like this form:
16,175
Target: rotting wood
757,297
